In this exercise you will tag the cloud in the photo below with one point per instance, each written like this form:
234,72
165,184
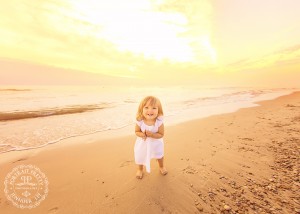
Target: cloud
106,37
285,56
16,72
47,32
198,26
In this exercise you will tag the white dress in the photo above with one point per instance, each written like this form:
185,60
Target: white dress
145,150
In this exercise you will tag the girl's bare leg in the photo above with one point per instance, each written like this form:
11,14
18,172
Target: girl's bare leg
162,169
139,173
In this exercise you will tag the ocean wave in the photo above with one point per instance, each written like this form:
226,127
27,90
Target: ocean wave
237,96
14,89
4,148
72,109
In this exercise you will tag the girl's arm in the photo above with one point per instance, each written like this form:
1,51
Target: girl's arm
139,132
158,134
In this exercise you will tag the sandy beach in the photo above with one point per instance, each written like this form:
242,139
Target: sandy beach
241,162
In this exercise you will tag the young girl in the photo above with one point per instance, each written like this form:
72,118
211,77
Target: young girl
149,130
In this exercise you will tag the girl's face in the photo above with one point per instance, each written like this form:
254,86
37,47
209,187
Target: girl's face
150,112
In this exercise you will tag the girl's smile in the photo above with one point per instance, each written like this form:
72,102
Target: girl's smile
150,112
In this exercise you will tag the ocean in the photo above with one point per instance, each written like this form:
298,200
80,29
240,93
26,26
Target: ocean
36,116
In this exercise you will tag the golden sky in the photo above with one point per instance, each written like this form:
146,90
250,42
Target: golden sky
210,40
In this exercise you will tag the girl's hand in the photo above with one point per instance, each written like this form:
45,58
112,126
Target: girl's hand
149,133
144,136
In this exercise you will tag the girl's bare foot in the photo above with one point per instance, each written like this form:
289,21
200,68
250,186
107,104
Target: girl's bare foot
139,174
163,170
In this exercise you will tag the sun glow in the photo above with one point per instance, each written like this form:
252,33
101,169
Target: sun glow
142,29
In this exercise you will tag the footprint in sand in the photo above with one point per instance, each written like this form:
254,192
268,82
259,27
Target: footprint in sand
247,139
296,119
291,106
21,159
245,166
190,170
53,210
126,163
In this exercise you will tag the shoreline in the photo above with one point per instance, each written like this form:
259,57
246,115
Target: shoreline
245,160
170,121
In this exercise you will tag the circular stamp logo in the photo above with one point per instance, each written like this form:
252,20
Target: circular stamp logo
26,186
